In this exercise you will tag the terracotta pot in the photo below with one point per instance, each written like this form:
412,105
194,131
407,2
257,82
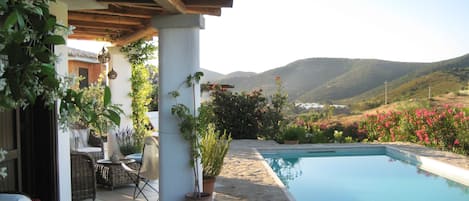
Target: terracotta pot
193,197
209,185
290,141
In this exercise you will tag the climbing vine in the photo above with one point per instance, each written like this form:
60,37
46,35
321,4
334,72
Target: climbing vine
138,53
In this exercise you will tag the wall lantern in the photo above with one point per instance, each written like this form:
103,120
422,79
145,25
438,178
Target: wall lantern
112,74
104,56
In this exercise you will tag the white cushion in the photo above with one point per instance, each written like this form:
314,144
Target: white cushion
89,149
80,137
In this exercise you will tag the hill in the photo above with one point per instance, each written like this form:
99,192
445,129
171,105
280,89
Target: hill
238,74
210,76
349,80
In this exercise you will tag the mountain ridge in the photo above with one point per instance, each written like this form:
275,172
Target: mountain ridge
340,79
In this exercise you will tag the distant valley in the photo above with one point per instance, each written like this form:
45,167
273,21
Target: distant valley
340,80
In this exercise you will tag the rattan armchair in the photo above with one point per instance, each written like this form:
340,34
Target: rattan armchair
83,176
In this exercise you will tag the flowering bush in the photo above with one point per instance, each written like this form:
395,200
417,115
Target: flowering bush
3,170
444,127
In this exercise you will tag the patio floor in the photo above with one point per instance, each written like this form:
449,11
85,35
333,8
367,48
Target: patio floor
246,178
124,193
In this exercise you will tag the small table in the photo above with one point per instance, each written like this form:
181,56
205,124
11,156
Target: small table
111,174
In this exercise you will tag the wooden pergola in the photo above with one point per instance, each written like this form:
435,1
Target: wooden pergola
124,21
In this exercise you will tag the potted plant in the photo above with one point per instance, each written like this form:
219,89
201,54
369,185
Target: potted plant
91,108
292,135
188,127
213,148
127,144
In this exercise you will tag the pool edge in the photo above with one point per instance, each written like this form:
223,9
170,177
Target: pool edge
277,180
451,172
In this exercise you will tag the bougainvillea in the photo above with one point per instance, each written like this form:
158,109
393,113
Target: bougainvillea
444,127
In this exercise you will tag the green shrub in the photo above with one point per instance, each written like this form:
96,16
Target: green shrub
238,113
338,138
348,139
294,133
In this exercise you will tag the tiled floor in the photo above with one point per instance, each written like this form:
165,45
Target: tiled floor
125,193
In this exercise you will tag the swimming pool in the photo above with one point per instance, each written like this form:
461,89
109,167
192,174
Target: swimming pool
369,174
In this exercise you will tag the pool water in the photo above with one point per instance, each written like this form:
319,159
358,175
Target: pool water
361,178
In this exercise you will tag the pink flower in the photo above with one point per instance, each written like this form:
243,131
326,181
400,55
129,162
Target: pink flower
427,140
456,142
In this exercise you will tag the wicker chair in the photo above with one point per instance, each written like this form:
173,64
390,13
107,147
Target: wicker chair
83,176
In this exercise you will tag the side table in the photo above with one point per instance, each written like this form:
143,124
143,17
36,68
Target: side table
111,174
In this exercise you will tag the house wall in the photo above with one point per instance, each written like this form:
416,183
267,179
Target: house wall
94,70
60,10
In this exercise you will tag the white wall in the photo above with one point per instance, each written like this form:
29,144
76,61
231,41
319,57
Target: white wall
59,9
121,86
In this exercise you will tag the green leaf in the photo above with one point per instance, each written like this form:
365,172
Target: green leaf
107,96
11,20
198,76
54,39
50,24
3,4
20,19
114,117
174,94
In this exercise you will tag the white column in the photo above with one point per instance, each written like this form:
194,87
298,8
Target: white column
121,86
178,58
59,9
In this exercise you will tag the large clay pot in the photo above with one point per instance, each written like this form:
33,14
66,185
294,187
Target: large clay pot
209,185
203,197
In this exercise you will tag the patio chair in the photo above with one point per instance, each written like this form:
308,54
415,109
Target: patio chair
83,176
149,170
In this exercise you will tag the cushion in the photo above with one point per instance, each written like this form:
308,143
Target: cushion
94,140
89,149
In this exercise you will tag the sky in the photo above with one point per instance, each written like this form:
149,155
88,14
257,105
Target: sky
258,35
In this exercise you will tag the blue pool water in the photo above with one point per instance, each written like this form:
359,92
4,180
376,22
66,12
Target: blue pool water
376,177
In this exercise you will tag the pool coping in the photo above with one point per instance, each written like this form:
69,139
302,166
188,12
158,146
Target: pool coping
427,163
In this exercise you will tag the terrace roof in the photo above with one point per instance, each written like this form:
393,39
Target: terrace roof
124,21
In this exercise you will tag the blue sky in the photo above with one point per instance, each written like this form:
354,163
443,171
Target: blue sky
258,35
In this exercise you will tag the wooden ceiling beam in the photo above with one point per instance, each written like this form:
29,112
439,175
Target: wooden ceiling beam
208,3
129,10
139,7
109,12
110,26
95,32
172,6
78,16
207,11
85,37
142,33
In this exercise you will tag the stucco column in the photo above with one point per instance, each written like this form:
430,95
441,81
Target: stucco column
121,86
178,57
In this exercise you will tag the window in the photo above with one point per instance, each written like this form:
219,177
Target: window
83,73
